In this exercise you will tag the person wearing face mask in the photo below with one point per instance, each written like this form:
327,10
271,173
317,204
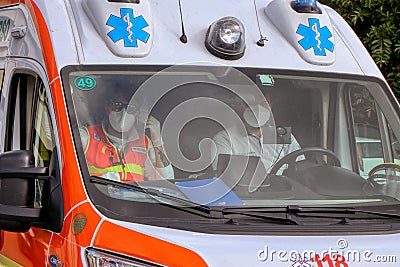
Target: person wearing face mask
116,150
231,141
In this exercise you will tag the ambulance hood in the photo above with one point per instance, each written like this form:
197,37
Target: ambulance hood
280,250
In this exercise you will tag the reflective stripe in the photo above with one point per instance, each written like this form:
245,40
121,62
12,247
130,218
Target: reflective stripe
137,149
133,168
147,143
88,140
6,262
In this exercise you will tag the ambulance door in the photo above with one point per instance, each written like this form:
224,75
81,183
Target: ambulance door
29,126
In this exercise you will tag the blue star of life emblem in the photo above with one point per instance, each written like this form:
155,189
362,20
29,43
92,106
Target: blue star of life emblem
315,37
128,27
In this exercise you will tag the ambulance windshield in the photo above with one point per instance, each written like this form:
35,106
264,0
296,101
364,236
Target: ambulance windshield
219,136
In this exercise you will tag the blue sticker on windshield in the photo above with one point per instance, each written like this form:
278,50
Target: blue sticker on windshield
128,27
315,37
85,83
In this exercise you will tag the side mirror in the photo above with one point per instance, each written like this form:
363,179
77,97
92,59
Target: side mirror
18,188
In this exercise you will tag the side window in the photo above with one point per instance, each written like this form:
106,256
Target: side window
42,132
20,111
366,129
395,146
376,143
28,123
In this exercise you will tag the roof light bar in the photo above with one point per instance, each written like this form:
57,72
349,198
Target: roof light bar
306,6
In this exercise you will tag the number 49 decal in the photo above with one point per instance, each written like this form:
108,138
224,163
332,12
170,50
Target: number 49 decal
85,83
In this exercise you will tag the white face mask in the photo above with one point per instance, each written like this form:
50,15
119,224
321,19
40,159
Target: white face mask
143,116
121,121
257,116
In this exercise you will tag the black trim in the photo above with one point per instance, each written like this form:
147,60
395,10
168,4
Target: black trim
10,114
2,86
141,212
350,129
222,55
333,93
23,88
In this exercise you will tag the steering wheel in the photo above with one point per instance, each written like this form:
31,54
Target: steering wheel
391,171
290,159
383,167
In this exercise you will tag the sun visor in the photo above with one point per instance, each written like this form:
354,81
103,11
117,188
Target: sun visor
126,27
311,34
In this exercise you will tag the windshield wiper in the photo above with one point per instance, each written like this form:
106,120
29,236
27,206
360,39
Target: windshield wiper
377,213
281,218
338,210
323,212
216,213
211,213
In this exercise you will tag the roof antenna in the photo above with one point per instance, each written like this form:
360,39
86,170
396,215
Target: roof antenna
183,37
262,38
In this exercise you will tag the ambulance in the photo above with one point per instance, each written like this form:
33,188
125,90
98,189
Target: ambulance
277,136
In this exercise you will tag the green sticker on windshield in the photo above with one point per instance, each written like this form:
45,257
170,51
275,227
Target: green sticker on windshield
266,79
85,83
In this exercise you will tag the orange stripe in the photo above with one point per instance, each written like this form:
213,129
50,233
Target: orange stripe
8,2
119,239
70,167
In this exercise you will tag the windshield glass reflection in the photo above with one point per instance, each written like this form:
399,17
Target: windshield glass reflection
219,136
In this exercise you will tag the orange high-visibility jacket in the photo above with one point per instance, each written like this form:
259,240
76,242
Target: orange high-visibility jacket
103,157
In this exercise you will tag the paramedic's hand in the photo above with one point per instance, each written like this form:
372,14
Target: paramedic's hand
155,131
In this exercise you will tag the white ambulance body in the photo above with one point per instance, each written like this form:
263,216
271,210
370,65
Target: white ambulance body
324,190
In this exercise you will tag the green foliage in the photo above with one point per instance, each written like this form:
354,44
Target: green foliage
363,105
377,24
